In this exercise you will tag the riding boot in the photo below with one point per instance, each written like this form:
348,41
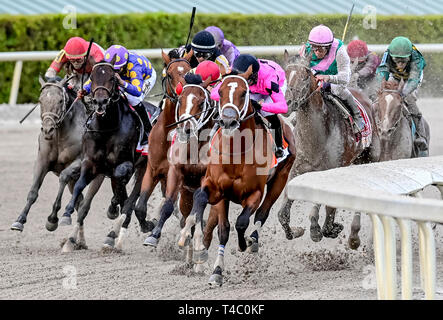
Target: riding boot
358,119
420,134
141,111
276,125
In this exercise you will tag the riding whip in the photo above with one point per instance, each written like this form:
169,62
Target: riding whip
28,113
86,61
190,26
347,22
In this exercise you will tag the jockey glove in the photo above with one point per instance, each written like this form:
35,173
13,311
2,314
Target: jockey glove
326,86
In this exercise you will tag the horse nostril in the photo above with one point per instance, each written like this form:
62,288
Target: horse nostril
188,131
94,101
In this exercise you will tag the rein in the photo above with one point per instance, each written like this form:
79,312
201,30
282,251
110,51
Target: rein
394,127
306,96
240,112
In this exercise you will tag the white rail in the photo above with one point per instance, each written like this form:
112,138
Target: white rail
21,56
381,190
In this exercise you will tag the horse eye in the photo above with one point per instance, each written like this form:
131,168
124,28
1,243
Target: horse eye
243,94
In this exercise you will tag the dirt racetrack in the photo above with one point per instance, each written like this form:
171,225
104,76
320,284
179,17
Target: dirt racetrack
33,267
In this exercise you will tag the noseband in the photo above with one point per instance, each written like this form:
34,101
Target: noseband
306,95
244,109
111,92
167,81
55,118
206,113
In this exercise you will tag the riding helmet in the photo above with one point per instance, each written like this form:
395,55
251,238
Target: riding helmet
76,48
400,47
243,61
203,41
357,49
321,36
121,54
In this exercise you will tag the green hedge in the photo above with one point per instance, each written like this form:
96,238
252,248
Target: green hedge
157,30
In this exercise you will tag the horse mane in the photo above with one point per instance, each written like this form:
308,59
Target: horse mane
390,85
174,54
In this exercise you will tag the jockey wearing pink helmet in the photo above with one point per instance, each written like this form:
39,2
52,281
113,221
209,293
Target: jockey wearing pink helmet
330,63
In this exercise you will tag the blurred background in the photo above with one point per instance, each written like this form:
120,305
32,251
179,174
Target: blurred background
46,25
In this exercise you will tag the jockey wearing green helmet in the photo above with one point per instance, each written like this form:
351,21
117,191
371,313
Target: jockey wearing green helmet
402,61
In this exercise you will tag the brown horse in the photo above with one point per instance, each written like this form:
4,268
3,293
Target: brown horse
324,140
394,124
188,153
159,138
238,170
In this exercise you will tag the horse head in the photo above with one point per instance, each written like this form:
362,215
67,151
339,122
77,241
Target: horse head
174,70
301,81
53,102
234,101
389,108
194,108
104,86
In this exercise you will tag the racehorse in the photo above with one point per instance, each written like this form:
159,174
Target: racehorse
108,148
59,142
159,139
396,126
194,111
324,140
239,168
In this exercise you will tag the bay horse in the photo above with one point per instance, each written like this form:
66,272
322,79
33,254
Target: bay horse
108,148
59,145
239,169
324,140
394,124
194,111
159,138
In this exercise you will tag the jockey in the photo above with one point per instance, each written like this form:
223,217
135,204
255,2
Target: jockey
331,65
367,62
73,55
400,61
227,48
137,77
267,85
203,45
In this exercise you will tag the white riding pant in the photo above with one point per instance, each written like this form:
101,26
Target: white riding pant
148,84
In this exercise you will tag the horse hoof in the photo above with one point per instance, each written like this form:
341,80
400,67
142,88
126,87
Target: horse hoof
65,221
151,241
297,232
51,226
184,241
109,242
252,245
316,234
80,246
17,226
69,246
200,256
215,280
333,232
354,242
112,212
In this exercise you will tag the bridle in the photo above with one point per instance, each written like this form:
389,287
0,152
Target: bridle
112,93
305,90
241,113
55,118
205,115
167,81
392,129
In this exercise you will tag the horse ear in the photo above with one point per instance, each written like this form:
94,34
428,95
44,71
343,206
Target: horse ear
114,58
189,55
286,57
247,74
41,80
165,57
206,83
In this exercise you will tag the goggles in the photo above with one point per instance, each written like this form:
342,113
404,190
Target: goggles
204,55
400,60
319,49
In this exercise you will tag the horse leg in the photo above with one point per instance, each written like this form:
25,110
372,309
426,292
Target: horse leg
148,185
216,277
354,239
186,202
68,174
200,201
86,177
330,228
76,240
249,207
40,170
315,229
213,221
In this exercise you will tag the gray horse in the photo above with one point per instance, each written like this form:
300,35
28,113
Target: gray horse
63,118
324,140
